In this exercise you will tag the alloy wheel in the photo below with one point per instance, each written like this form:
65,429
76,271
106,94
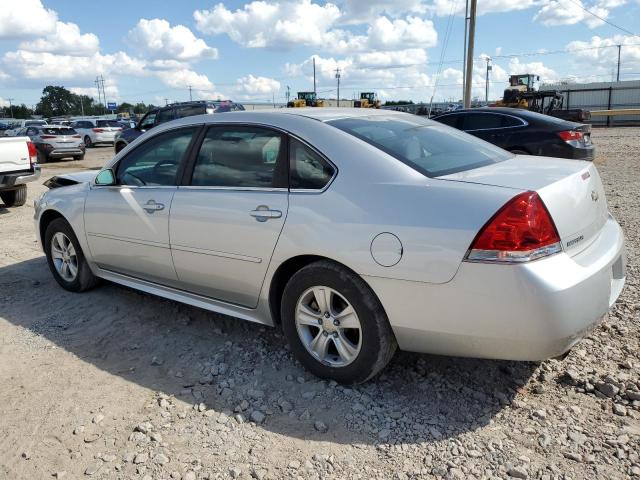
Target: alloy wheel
64,257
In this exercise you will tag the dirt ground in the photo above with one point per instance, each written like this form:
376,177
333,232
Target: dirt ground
118,384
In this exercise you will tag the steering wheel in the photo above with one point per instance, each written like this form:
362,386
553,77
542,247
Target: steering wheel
137,181
164,163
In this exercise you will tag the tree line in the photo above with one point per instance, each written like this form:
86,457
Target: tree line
58,101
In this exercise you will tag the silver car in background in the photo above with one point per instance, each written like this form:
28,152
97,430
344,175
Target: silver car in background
356,231
96,131
56,142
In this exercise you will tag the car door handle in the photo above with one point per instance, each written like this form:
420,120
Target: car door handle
264,213
151,206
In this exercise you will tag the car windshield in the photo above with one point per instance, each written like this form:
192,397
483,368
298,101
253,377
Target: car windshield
108,123
31,123
428,147
58,131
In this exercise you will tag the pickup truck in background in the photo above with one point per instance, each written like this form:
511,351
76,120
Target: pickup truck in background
18,166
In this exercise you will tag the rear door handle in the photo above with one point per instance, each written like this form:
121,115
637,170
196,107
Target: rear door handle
151,206
263,213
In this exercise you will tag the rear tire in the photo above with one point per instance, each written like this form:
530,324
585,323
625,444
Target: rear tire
60,245
42,158
371,343
87,142
15,198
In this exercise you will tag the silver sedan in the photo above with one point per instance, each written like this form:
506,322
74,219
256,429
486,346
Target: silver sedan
355,231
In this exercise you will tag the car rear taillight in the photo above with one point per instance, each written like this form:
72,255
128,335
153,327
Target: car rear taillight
571,135
522,230
47,136
97,130
76,136
33,153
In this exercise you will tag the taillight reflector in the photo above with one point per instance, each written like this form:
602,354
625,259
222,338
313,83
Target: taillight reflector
522,230
97,130
33,153
47,136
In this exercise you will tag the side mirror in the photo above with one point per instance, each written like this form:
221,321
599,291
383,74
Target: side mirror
105,177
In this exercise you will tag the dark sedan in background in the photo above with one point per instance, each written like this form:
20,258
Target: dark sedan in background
524,132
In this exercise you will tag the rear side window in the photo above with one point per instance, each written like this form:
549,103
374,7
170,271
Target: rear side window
451,120
108,123
190,111
241,157
156,161
58,131
481,121
308,170
426,146
83,124
509,121
165,115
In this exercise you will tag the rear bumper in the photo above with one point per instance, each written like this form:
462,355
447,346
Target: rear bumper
8,180
531,311
65,152
102,138
565,150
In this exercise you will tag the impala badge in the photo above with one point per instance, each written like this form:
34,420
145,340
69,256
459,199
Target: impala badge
594,195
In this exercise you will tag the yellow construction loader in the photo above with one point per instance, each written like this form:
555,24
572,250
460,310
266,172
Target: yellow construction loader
367,100
306,99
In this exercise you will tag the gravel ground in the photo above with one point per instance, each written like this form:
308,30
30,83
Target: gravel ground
118,384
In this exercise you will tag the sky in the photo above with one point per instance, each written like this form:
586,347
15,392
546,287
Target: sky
151,51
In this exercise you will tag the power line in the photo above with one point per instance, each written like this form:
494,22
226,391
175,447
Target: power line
601,18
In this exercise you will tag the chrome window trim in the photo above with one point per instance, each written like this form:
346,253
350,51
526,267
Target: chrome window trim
238,189
524,123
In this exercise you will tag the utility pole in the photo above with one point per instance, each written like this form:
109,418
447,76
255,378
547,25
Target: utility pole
10,106
81,105
338,78
618,76
97,82
486,86
190,96
314,75
466,33
469,66
288,94
166,102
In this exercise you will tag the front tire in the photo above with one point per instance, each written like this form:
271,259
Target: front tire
16,197
66,259
335,324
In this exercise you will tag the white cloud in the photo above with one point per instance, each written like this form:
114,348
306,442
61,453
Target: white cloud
395,58
401,34
45,66
159,39
270,24
111,91
181,79
569,12
26,18
596,59
251,85
65,39
360,11
446,7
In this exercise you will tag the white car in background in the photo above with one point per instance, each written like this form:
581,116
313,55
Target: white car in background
22,124
95,130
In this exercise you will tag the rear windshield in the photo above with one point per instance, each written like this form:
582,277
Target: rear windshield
430,148
108,123
58,131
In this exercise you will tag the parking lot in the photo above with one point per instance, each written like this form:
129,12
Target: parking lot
118,384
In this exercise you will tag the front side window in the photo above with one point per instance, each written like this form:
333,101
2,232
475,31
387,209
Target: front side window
241,157
156,161
451,120
308,170
148,121
108,123
426,146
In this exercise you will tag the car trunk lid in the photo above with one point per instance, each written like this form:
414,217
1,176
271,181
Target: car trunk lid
571,190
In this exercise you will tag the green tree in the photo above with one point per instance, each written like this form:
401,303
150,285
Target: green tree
19,111
398,102
56,101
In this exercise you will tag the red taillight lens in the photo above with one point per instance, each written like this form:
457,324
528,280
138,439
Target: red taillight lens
97,130
76,136
33,153
522,230
570,135
47,136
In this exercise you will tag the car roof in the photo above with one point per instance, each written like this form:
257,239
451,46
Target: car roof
322,114
507,110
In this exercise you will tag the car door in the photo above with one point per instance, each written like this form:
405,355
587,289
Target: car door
226,221
127,224
484,125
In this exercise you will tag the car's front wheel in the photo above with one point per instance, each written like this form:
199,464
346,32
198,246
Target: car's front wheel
335,325
66,259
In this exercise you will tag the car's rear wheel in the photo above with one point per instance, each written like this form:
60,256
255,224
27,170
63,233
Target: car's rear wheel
16,197
87,142
42,158
66,259
335,325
